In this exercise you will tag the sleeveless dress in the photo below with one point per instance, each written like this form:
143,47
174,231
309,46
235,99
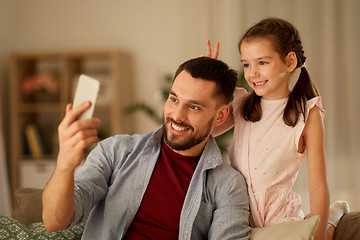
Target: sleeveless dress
265,152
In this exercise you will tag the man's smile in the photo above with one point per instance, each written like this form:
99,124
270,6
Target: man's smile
178,129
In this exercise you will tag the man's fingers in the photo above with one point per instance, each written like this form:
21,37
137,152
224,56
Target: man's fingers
73,148
79,126
73,113
69,107
84,138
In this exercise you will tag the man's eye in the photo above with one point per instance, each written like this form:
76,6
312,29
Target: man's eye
193,107
173,99
263,63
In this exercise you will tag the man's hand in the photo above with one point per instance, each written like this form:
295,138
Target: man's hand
75,135
58,195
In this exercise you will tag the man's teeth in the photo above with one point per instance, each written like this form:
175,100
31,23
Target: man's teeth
259,83
177,128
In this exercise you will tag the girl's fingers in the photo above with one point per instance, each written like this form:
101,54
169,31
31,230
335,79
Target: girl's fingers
209,52
208,48
216,50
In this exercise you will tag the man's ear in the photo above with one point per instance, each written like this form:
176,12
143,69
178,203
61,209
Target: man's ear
291,61
221,115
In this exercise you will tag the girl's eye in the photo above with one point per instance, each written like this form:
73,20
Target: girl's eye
263,63
246,65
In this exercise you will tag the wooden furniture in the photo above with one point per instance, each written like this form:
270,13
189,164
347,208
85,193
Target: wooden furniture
40,111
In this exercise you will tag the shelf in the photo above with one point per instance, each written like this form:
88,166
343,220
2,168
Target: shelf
46,157
40,107
30,105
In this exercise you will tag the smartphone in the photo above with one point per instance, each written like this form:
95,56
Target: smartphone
86,90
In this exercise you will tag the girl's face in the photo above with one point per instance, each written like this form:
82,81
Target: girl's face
265,71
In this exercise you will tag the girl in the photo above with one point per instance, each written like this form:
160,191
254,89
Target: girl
274,127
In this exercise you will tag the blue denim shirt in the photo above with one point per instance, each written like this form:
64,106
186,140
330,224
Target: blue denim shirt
110,186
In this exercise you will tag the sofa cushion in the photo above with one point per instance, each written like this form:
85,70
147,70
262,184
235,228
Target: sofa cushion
28,205
12,229
303,229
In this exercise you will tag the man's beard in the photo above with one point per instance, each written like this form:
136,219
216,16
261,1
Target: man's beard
175,142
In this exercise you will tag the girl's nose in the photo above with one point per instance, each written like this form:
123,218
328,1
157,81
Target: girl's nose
254,72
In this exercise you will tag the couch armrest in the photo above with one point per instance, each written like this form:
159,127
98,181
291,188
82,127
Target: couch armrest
348,227
28,205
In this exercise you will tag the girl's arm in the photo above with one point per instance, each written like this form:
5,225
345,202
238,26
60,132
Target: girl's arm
228,124
313,136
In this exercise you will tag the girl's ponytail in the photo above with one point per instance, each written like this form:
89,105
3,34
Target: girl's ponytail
251,108
303,90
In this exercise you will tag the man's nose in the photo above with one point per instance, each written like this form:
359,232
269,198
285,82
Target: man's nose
179,113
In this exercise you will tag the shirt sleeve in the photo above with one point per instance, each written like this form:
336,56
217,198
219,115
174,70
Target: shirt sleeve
91,184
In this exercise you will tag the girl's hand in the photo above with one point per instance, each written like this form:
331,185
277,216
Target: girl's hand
75,135
209,51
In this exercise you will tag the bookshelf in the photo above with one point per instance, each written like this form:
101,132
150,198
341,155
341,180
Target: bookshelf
42,83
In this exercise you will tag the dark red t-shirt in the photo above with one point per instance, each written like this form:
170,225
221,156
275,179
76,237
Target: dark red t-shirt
159,213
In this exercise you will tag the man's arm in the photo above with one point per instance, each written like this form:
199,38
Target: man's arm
58,195
231,216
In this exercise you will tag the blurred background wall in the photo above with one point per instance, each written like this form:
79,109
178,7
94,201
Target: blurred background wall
161,34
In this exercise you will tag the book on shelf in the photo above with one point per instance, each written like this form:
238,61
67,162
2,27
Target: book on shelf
32,141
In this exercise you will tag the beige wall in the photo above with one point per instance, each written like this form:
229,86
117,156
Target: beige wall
160,34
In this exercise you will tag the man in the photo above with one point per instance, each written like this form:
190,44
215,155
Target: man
168,184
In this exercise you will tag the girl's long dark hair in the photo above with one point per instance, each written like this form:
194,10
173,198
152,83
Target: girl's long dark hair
285,38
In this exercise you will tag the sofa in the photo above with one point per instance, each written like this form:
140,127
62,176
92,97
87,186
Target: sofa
26,223
26,220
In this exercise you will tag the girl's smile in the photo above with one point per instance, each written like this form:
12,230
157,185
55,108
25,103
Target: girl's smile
259,83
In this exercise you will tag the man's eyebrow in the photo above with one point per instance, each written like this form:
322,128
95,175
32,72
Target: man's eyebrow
172,92
199,103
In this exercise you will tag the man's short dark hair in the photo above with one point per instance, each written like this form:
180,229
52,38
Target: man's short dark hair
211,69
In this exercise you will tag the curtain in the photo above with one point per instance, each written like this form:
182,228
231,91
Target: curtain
5,201
330,32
